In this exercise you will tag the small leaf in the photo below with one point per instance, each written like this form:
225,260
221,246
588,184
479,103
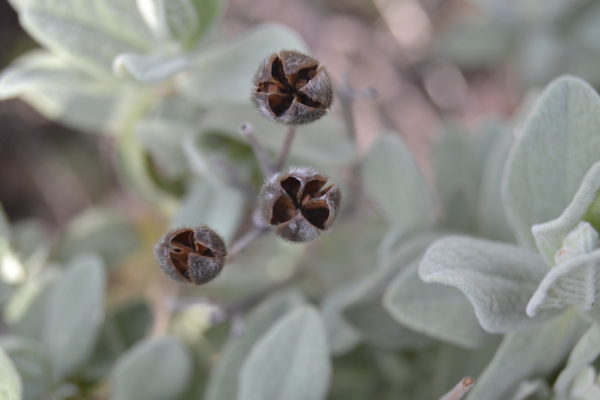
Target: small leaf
573,282
223,74
223,383
393,180
101,231
155,369
10,382
31,360
74,314
549,236
341,336
214,204
416,305
291,361
585,352
536,351
498,279
558,145
148,68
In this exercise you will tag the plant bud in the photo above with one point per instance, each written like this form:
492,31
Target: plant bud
298,204
292,88
195,255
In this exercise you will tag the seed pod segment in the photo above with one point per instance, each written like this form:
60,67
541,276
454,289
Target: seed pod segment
298,204
292,88
195,255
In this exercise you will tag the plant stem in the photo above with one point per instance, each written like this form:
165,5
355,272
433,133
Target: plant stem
262,157
244,241
460,389
286,148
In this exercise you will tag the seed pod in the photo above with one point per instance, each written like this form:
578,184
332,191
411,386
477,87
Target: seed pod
298,205
292,88
195,255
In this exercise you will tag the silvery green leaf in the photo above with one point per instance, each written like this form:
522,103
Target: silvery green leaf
498,279
26,310
341,335
163,140
535,351
10,382
491,220
416,305
458,160
91,33
223,382
291,361
12,270
101,231
585,386
30,359
180,20
557,146
212,203
536,389
74,313
575,282
549,236
154,369
364,308
61,92
310,145
584,353
223,74
148,68
395,183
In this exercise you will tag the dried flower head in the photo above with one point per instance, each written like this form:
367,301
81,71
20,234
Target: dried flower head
292,88
195,255
298,204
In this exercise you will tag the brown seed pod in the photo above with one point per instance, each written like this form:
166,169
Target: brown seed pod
298,204
292,88
195,255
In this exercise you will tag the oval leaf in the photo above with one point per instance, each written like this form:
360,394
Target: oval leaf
155,369
10,383
558,145
498,279
290,362
74,314
393,180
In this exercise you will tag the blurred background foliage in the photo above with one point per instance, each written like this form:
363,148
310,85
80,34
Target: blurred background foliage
120,121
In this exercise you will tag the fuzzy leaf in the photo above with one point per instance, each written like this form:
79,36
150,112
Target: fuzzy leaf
91,33
573,282
148,68
394,181
223,382
557,146
214,204
154,369
585,352
341,335
550,235
223,74
416,304
74,314
498,279
31,360
291,361
10,382
536,351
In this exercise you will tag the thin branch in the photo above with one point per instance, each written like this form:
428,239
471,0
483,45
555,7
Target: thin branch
286,148
260,153
243,242
460,389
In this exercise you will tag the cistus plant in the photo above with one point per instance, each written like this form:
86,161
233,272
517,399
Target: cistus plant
302,269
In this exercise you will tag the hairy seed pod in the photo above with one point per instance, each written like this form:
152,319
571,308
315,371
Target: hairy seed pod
195,255
292,88
298,204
